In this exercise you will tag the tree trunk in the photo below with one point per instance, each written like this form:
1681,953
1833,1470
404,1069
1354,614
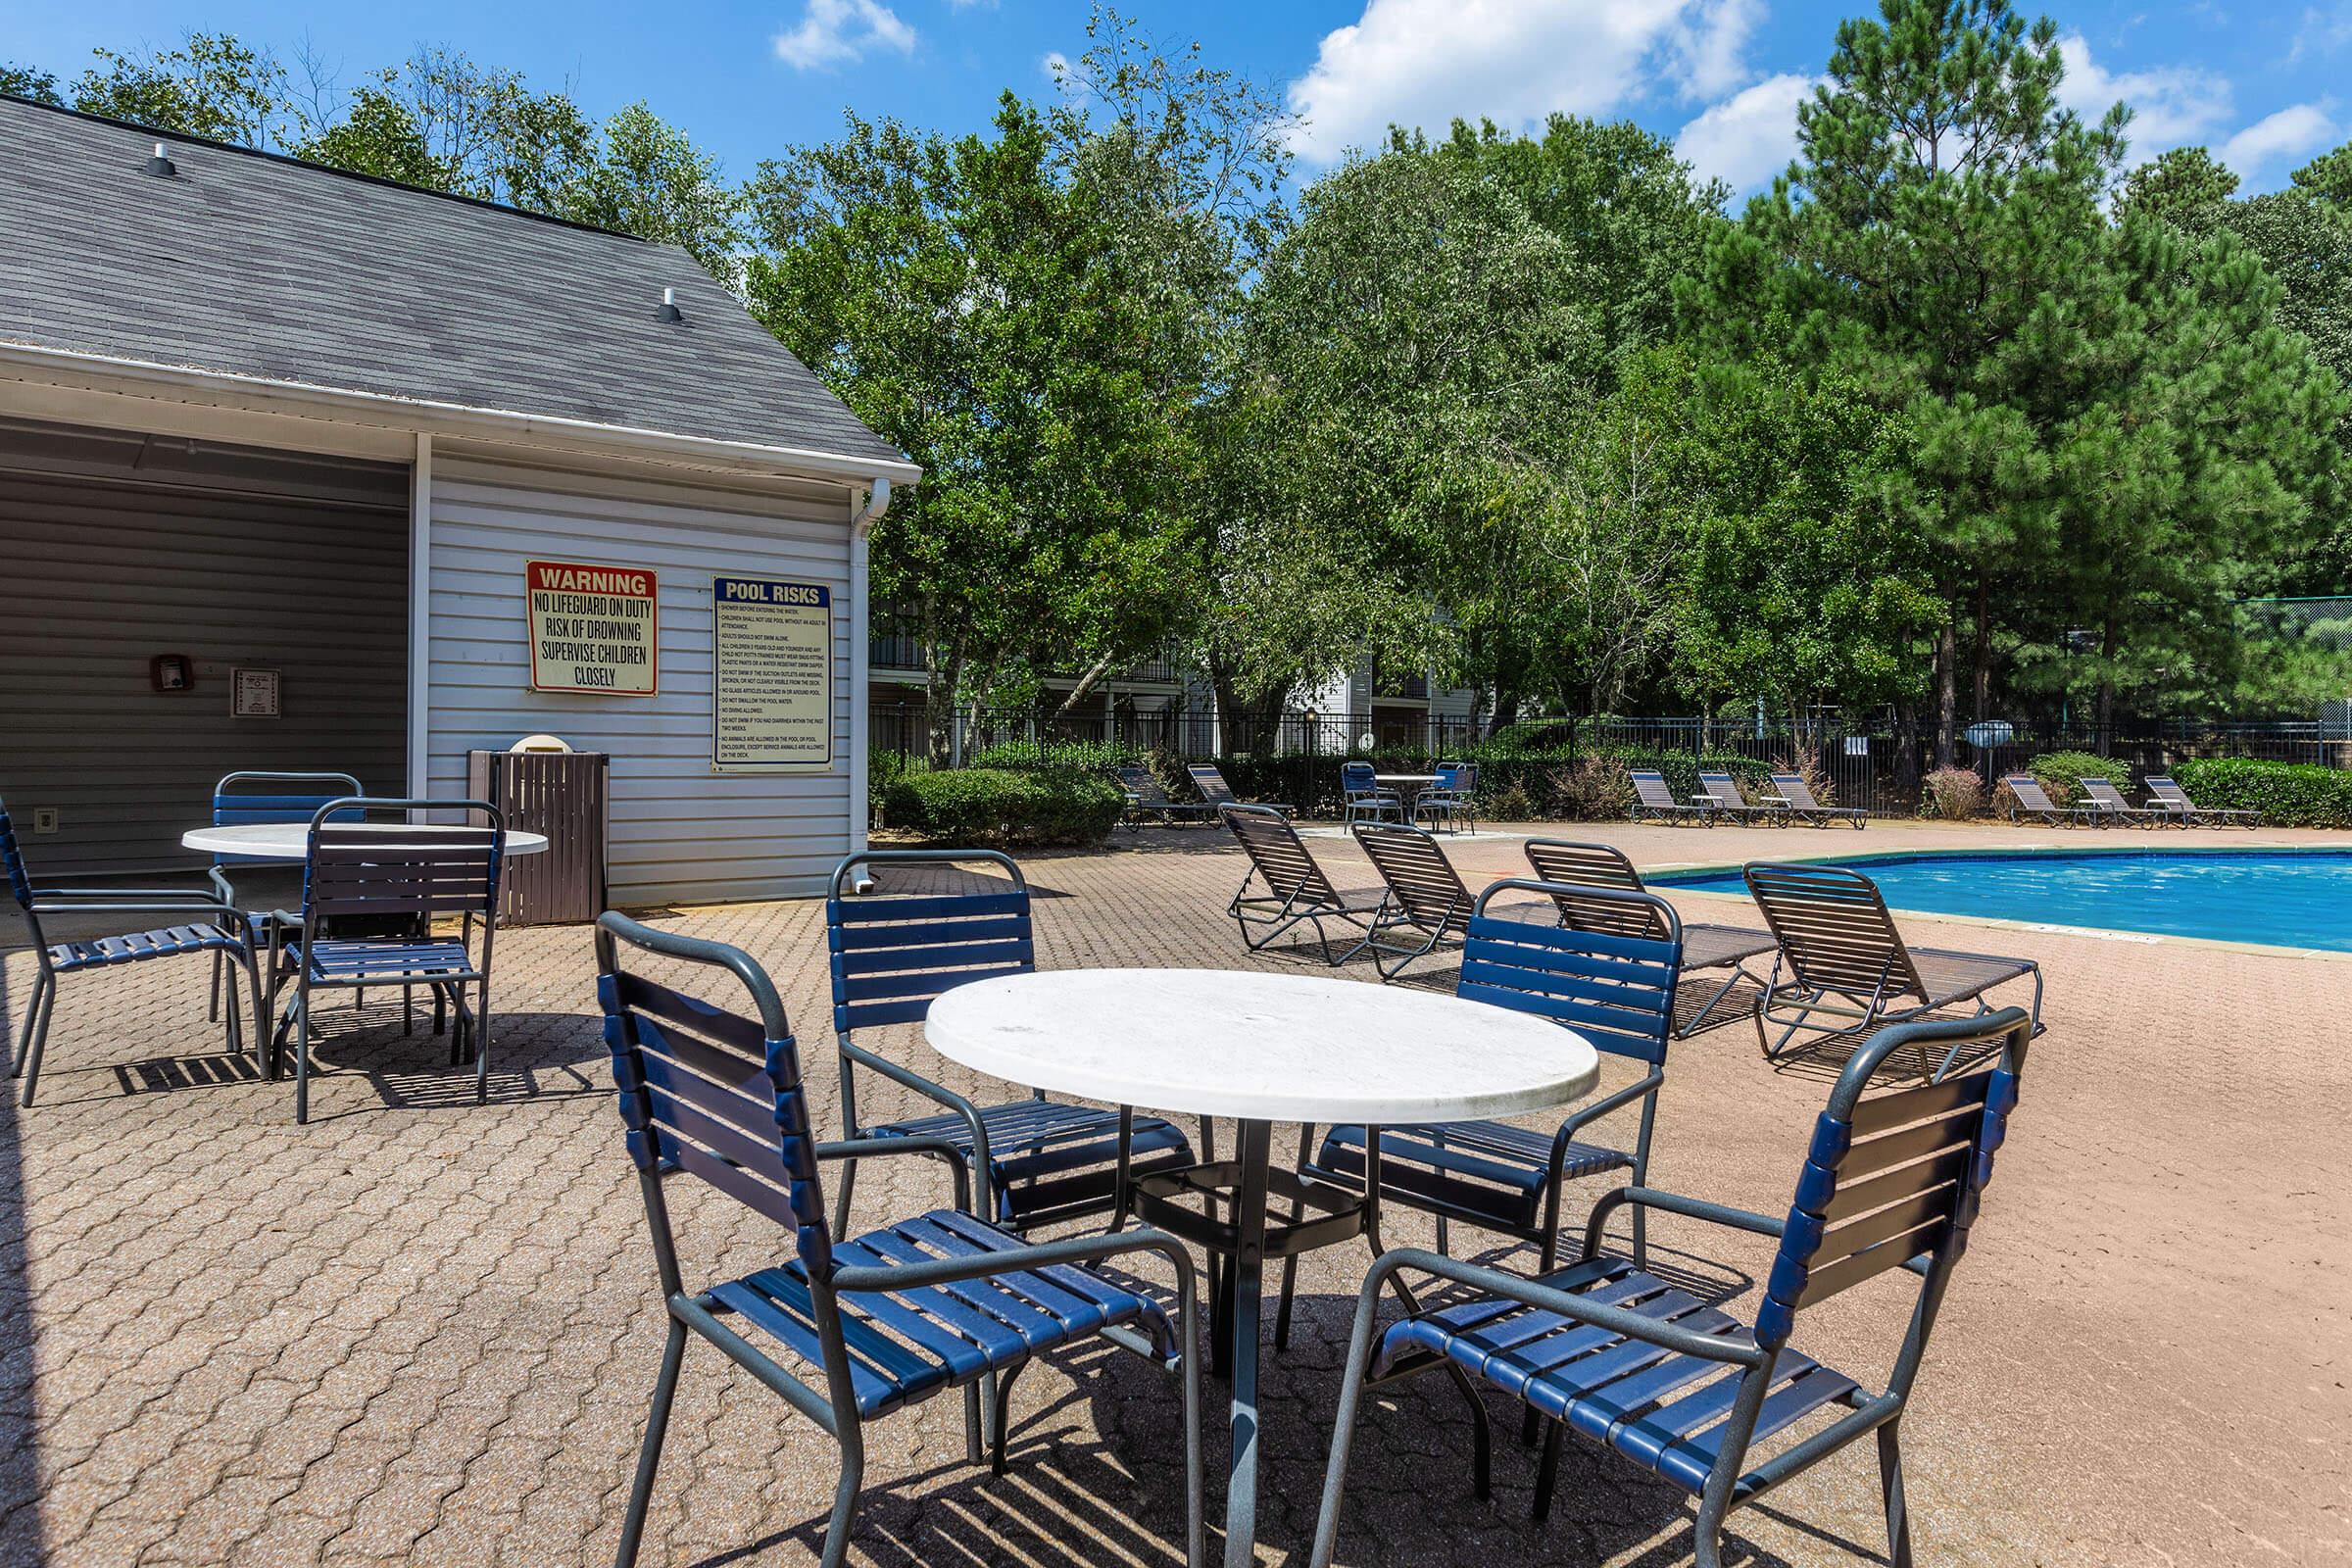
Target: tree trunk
2107,686
1906,744
1983,683
1948,693
1085,683
939,688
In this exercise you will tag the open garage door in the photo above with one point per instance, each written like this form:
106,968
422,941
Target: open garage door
141,573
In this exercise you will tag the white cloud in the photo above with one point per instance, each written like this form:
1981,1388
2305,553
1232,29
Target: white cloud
2171,105
2291,133
1424,63
2325,30
1749,136
1055,65
835,32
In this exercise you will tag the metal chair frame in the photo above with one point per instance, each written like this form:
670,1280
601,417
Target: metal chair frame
714,1094
1425,893
1616,987
1891,1182
2028,797
1796,801
273,804
223,932
370,870
890,957
1651,798
1297,890
1452,797
1145,796
2169,796
2108,803
1216,792
1705,946
1725,799
1361,792
1846,957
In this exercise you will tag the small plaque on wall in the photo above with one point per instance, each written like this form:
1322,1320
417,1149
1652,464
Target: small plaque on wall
255,693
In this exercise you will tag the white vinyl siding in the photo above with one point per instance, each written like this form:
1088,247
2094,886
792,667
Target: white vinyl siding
680,832
117,551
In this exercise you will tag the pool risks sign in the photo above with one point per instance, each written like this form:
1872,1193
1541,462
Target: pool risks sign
771,685
592,628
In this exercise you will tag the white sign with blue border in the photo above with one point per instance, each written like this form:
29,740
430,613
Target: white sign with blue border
771,686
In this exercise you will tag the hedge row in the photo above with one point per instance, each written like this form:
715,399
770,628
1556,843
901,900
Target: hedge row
2287,794
1000,808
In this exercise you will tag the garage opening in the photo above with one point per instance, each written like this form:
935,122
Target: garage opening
143,574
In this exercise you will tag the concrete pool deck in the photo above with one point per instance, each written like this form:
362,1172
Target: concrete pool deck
424,1331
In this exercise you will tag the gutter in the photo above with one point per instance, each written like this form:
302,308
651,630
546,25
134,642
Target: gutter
263,394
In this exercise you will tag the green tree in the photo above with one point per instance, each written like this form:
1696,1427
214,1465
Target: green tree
1416,351
2092,421
26,81
213,85
973,308
1624,203
2181,186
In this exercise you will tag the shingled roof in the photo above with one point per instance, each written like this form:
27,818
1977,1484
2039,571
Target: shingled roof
252,265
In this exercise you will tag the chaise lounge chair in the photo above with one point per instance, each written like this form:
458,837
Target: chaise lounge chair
1704,947
1843,955
2027,794
2167,797
1796,798
2111,807
1426,894
1651,798
1146,799
1722,794
1297,888
1216,792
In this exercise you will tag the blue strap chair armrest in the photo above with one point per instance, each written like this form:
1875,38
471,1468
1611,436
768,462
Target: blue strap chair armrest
197,895
1535,1293
205,906
884,1147
1600,1107
973,1122
1741,1219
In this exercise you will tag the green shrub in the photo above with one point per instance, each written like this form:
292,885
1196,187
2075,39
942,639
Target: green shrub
2061,775
1068,757
998,808
2287,794
1592,789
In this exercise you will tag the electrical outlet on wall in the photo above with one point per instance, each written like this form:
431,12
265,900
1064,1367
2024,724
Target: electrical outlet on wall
45,818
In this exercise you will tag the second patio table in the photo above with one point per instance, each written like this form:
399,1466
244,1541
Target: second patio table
1260,1049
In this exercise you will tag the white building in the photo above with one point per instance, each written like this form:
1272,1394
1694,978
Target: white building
278,447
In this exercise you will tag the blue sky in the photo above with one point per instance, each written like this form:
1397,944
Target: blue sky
2265,85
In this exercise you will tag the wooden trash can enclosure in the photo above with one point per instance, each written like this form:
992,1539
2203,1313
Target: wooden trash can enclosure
563,795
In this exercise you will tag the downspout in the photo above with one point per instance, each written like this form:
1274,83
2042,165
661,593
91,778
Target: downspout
861,524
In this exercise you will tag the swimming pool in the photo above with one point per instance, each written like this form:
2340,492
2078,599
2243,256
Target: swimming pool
2284,898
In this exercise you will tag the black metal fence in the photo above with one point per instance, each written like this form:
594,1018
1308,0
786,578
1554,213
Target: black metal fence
1858,757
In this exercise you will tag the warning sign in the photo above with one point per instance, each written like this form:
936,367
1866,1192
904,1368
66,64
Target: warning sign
592,628
771,647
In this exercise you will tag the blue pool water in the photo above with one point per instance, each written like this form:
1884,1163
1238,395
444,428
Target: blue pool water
2294,899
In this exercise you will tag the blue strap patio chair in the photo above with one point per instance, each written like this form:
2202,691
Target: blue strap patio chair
251,798
845,1330
1612,976
1678,1385
1361,796
198,923
1450,800
363,881
1034,1162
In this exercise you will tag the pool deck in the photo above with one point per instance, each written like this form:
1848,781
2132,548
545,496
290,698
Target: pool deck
423,1331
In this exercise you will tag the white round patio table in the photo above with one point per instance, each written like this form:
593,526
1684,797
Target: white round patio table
292,841
1260,1049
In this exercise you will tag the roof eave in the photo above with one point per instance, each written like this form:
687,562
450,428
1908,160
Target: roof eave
267,395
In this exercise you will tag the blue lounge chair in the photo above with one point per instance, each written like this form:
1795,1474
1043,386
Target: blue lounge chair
845,1330
1892,1182
1035,1161
199,923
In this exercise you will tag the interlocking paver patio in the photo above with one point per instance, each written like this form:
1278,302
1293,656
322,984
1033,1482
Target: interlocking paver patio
421,1330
